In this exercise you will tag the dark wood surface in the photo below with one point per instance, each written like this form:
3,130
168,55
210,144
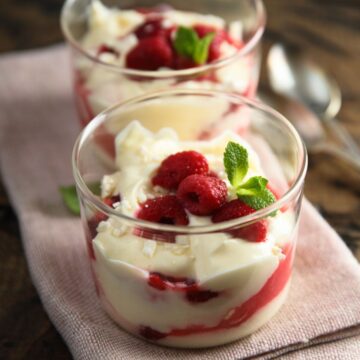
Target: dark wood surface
326,30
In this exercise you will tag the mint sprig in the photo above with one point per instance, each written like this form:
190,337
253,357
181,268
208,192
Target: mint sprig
254,191
70,198
259,201
254,186
201,52
188,43
236,163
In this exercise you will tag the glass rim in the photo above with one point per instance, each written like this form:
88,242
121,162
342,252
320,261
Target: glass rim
293,190
249,46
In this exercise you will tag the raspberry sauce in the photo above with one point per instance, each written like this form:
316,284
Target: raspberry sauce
272,288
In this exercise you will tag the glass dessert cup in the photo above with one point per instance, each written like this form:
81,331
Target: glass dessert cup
142,278
99,84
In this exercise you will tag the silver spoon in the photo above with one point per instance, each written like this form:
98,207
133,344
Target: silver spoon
308,125
292,74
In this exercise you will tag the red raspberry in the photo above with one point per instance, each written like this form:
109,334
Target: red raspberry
214,50
163,210
150,53
175,168
236,208
255,232
183,62
201,194
202,30
232,210
153,27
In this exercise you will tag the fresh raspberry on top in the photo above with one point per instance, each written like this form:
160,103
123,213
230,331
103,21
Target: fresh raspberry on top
183,62
214,49
153,27
236,208
232,210
177,167
202,29
163,210
201,194
151,53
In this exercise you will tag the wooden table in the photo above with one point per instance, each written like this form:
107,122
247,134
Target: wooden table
329,31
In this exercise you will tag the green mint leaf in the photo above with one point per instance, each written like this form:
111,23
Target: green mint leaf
185,41
202,49
254,191
188,43
253,186
95,187
236,163
263,199
70,198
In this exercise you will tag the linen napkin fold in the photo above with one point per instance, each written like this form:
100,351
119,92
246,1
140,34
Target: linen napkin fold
38,126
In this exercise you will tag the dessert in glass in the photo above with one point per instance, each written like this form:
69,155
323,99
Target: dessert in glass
139,47
192,236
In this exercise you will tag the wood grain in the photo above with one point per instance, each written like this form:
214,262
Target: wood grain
327,31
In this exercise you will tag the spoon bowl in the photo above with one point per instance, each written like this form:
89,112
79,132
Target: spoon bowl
293,75
308,125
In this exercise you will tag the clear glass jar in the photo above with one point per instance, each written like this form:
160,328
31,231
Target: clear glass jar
252,282
99,84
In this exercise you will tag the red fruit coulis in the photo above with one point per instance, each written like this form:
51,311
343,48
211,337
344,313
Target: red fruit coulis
82,100
191,290
102,137
273,286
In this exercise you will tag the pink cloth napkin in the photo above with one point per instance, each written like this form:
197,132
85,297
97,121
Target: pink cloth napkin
38,126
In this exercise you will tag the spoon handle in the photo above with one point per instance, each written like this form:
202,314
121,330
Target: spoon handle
343,154
344,136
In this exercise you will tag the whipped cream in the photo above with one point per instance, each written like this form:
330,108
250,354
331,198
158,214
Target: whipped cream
217,261
114,27
139,153
102,87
